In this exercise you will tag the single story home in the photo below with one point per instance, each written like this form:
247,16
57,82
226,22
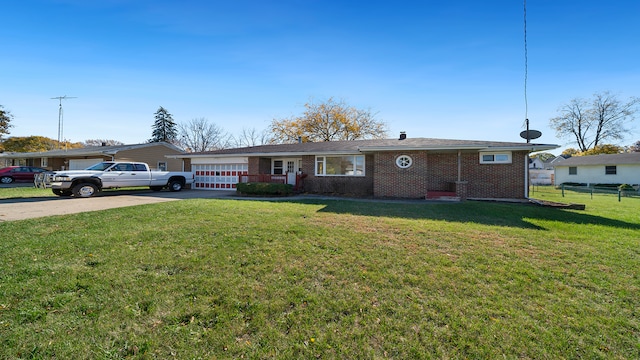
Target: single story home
393,168
599,169
153,153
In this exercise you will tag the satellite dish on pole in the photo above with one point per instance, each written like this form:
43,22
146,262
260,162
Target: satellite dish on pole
530,134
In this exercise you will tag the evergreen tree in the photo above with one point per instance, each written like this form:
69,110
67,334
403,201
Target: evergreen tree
164,128
5,122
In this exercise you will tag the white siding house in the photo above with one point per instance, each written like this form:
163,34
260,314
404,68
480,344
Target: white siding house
599,169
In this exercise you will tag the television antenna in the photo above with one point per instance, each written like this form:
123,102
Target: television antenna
527,134
60,117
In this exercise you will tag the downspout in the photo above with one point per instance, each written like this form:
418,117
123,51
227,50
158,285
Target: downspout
459,165
526,176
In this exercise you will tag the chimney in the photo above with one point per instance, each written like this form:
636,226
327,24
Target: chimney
403,135
299,139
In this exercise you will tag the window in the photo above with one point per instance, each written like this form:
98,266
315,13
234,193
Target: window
573,170
495,158
278,167
348,165
139,167
404,161
610,170
162,166
44,162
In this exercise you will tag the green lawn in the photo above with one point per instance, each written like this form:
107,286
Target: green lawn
325,279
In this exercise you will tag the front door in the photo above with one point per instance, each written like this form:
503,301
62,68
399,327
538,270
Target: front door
287,167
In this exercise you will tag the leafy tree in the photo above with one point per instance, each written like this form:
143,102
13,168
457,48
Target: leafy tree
328,121
36,144
164,128
101,142
590,122
5,122
569,152
200,135
544,156
603,149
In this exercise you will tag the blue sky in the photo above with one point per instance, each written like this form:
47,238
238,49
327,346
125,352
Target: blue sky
443,69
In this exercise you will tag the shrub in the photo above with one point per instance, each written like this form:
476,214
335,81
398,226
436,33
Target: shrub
626,187
264,189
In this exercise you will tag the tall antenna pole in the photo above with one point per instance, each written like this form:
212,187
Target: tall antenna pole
60,118
526,70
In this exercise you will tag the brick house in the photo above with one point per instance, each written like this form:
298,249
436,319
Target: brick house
382,168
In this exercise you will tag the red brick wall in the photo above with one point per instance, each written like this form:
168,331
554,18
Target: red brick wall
439,171
429,171
503,181
259,165
392,181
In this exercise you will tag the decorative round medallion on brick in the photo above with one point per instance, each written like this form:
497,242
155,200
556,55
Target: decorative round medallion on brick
404,161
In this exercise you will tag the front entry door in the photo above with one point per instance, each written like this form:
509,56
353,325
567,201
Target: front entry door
288,167
291,172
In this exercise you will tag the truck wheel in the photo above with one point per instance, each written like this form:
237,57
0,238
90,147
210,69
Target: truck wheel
175,185
85,190
62,192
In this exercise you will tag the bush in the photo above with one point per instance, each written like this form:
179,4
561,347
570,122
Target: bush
264,189
626,187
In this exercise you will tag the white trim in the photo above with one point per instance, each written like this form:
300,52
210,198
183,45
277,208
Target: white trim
404,161
505,157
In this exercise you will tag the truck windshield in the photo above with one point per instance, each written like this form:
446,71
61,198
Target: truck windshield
100,166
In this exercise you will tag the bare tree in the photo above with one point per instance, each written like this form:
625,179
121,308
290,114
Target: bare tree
590,122
200,135
252,137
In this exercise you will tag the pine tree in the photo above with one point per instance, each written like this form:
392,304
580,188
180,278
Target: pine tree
5,121
164,128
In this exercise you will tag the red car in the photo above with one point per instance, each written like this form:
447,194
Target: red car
19,173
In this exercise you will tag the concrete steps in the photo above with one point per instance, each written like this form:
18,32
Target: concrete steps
442,196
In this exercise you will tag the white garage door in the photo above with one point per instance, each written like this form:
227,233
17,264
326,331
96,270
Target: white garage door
81,164
218,176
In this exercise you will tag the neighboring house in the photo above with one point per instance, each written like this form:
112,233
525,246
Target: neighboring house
599,169
537,163
153,154
541,172
396,168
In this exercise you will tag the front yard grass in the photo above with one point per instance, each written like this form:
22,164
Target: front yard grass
324,279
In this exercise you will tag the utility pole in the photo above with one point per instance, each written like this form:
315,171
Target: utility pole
60,118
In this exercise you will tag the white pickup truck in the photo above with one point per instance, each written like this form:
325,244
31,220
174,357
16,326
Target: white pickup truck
110,175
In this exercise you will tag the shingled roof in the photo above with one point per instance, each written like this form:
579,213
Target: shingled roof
604,159
88,151
363,146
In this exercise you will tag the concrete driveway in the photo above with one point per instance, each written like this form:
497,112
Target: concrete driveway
19,209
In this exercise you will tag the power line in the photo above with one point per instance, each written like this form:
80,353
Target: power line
60,117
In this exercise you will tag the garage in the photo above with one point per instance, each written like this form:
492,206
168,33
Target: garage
218,176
